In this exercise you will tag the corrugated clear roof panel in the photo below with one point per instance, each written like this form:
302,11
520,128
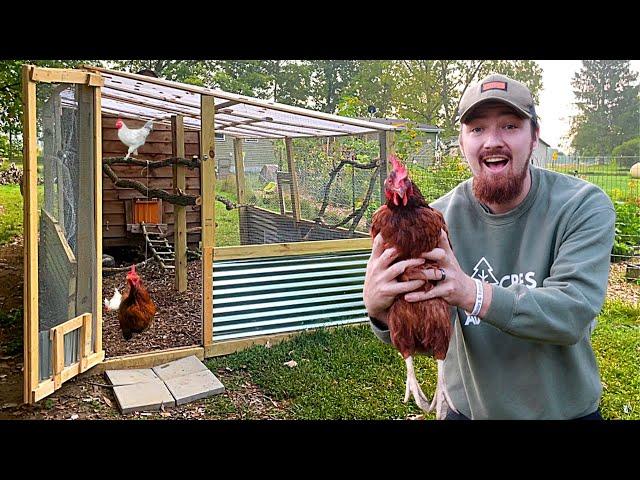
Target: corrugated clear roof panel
159,99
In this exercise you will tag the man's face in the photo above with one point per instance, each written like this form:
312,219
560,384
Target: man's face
497,144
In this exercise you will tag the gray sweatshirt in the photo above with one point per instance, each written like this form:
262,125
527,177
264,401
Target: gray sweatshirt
530,357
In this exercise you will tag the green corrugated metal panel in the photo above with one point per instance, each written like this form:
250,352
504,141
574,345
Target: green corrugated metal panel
266,296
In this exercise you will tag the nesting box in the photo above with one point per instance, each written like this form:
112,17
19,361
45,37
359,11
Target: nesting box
147,211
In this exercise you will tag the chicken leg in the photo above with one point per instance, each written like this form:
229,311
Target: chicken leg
413,387
441,401
129,152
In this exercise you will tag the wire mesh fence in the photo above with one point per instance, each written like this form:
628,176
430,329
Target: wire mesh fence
613,176
338,189
331,195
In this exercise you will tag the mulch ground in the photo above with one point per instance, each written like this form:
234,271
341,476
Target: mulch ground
177,322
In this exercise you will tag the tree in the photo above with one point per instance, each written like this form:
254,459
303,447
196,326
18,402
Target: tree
430,90
11,94
373,84
330,79
193,72
608,105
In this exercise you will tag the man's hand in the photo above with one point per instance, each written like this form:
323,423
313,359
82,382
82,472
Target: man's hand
380,284
457,288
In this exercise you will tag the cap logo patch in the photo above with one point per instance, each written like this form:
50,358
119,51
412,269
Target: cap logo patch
493,86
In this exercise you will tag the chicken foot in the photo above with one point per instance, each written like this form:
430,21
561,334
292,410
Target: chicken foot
413,387
441,401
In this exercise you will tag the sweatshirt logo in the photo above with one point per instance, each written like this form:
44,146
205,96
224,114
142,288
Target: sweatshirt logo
484,272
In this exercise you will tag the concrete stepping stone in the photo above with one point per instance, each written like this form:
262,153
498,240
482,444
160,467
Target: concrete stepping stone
194,386
174,383
144,396
179,368
134,375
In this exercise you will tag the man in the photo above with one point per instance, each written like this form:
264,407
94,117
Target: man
528,276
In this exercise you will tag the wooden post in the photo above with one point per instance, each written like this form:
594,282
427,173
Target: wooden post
85,208
97,222
387,141
85,337
57,358
295,196
179,211
238,156
207,192
30,290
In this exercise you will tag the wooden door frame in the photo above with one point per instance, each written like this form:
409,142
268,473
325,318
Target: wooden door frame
91,351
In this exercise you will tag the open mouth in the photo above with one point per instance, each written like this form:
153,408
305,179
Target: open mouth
496,164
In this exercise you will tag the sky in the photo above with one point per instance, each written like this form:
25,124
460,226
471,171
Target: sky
555,106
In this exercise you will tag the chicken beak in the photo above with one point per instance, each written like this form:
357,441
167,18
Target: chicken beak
400,195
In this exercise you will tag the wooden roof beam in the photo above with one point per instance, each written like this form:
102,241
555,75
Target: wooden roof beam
226,104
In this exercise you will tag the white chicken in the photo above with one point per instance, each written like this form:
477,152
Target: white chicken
114,303
133,137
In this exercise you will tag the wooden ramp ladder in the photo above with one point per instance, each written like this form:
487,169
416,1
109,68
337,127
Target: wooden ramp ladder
157,242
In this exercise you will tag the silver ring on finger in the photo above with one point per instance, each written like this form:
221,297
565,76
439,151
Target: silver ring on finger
444,275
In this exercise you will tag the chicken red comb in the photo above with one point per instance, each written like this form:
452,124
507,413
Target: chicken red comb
399,168
132,272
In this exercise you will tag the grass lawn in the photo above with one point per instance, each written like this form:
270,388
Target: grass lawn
610,182
346,373
10,212
227,221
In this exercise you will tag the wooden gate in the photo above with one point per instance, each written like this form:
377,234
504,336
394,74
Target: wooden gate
65,338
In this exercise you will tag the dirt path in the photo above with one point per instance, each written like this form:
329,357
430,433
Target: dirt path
11,269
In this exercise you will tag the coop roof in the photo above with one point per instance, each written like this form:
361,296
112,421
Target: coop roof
401,123
148,98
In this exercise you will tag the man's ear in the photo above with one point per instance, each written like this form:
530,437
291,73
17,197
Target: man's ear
460,144
534,143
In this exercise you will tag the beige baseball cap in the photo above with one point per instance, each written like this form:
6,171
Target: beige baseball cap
497,88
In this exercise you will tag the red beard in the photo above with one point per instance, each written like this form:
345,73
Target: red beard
503,189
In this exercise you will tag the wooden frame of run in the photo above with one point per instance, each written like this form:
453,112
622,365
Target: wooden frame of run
91,82
90,326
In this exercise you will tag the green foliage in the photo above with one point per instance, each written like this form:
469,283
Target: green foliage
438,179
11,319
609,106
627,237
616,342
407,143
429,90
351,107
227,221
10,149
186,71
630,148
11,90
11,215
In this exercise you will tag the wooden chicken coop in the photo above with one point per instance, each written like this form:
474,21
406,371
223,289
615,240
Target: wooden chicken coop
290,269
